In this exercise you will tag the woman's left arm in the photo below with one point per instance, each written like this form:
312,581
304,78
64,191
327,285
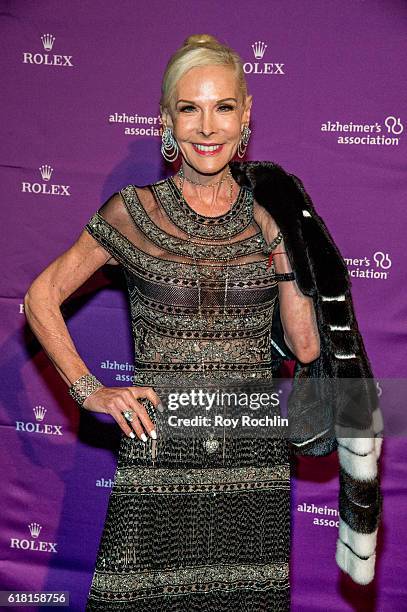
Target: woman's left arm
297,313
297,310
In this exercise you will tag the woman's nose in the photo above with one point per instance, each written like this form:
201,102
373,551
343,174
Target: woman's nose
207,124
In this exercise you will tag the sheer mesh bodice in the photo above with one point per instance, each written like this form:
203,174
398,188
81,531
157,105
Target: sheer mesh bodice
194,525
201,292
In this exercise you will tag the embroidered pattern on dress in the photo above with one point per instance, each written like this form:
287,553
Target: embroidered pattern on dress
199,523
197,579
124,251
168,242
232,476
217,228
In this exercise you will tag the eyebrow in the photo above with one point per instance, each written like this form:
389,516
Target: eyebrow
217,102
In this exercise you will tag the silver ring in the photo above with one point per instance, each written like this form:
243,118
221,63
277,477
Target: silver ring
128,414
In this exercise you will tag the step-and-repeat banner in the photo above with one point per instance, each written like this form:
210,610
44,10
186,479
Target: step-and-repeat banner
81,85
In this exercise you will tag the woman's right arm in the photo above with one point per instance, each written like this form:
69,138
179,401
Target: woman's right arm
42,304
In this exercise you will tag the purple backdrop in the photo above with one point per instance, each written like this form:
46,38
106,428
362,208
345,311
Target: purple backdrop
81,84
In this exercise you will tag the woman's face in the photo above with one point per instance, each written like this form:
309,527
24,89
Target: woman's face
207,116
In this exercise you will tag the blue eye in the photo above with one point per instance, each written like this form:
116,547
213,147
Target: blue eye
184,108
227,106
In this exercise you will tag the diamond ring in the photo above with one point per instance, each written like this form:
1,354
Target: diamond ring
128,414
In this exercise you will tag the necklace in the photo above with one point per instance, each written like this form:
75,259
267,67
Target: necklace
182,178
211,444
181,174
196,268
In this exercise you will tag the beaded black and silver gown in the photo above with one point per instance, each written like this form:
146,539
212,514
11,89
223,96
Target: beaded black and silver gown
194,522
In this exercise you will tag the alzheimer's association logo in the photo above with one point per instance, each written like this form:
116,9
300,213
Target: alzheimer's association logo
382,260
394,125
259,67
374,267
47,59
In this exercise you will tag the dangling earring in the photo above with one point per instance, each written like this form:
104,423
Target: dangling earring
244,139
168,142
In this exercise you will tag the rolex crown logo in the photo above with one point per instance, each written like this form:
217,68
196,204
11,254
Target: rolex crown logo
259,49
46,172
39,412
48,41
35,529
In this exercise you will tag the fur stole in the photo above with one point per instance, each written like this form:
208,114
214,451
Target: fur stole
333,403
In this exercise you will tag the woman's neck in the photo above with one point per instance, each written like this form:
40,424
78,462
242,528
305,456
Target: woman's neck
207,180
211,194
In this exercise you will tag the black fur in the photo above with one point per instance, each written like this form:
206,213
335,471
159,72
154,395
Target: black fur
321,272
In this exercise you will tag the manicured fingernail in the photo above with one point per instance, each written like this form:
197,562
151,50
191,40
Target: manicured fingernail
153,434
132,434
143,437
160,407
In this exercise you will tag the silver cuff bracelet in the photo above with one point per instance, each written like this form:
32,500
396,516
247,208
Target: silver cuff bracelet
83,387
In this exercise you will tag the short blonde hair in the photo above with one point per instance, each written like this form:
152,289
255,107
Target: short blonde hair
199,50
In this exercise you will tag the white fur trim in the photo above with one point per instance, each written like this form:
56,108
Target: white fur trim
278,348
360,570
359,467
345,355
370,440
339,327
363,544
338,298
311,439
361,505
360,446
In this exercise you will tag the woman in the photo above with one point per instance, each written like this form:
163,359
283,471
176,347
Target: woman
192,522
